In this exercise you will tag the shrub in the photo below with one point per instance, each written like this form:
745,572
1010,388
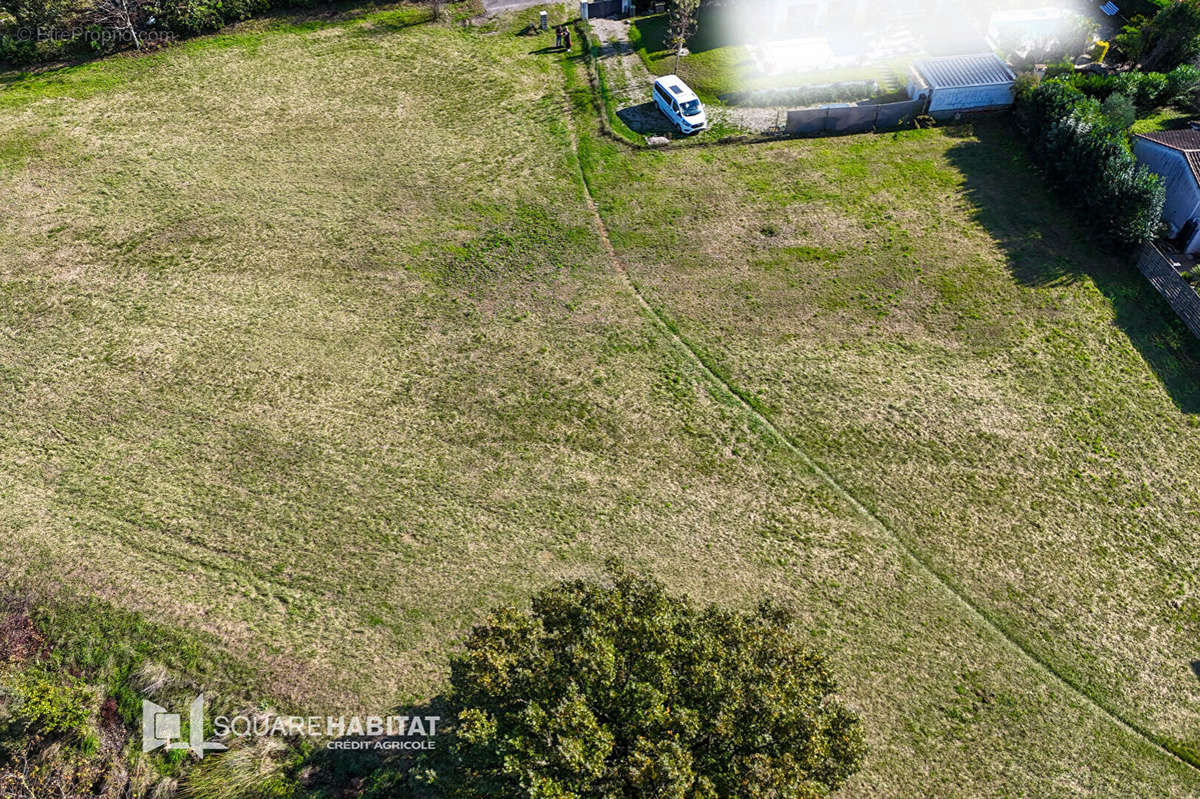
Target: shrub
1170,38
1119,111
1181,83
1060,67
1025,84
619,689
16,51
1148,90
1081,152
48,702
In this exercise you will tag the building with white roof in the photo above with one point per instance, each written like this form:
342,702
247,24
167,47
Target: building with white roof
961,83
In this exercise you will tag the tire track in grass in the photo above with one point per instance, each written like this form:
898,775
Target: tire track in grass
752,408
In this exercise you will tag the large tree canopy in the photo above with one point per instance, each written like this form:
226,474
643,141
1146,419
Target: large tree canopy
617,689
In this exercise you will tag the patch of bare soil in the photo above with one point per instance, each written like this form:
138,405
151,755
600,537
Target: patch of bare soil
19,640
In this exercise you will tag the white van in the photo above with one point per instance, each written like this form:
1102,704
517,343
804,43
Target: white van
679,104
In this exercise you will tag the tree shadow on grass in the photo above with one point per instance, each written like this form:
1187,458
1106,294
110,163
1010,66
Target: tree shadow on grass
377,766
1048,244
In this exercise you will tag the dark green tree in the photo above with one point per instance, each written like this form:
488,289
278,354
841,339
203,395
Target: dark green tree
1090,159
1171,38
1119,111
619,689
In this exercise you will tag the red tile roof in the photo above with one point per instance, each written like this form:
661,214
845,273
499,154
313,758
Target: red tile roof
1186,141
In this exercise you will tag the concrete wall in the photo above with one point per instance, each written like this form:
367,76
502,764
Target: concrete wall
850,119
1183,194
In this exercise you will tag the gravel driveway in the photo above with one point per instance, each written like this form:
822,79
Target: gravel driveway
630,84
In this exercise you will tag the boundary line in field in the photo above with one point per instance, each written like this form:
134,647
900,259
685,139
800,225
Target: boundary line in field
753,408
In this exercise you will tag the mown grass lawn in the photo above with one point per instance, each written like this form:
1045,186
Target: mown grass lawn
936,330
309,359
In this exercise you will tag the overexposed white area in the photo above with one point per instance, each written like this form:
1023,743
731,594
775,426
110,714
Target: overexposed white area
793,36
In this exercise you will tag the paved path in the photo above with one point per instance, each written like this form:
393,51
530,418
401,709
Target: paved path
497,6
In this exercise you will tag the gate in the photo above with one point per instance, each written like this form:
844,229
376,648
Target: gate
604,8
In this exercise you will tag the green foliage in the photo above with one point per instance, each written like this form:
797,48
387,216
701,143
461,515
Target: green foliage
1148,90
191,17
1082,152
1119,112
48,702
1024,85
619,689
1061,67
16,51
1170,38
1181,83
110,645
86,28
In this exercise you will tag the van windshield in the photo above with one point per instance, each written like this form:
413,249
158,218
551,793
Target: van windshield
690,108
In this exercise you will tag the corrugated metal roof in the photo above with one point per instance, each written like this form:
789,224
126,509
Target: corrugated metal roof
963,71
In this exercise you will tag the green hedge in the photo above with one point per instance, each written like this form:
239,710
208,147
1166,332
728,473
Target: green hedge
1148,90
1090,160
33,31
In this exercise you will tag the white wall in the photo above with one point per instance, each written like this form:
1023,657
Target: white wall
1183,194
948,101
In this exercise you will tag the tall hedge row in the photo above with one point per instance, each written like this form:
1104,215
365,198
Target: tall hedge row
1091,161
33,31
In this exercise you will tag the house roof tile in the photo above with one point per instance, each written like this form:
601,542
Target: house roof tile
1186,141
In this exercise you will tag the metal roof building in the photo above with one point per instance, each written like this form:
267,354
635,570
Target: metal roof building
961,83
1175,156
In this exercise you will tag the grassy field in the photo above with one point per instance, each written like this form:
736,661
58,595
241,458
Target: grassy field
1169,118
1012,400
308,359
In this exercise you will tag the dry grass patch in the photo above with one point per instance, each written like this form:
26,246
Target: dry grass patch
304,361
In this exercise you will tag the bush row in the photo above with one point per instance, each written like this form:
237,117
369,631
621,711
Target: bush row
33,31
1089,159
1147,89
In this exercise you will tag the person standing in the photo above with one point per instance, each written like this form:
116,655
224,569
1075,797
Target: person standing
558,32
566,38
